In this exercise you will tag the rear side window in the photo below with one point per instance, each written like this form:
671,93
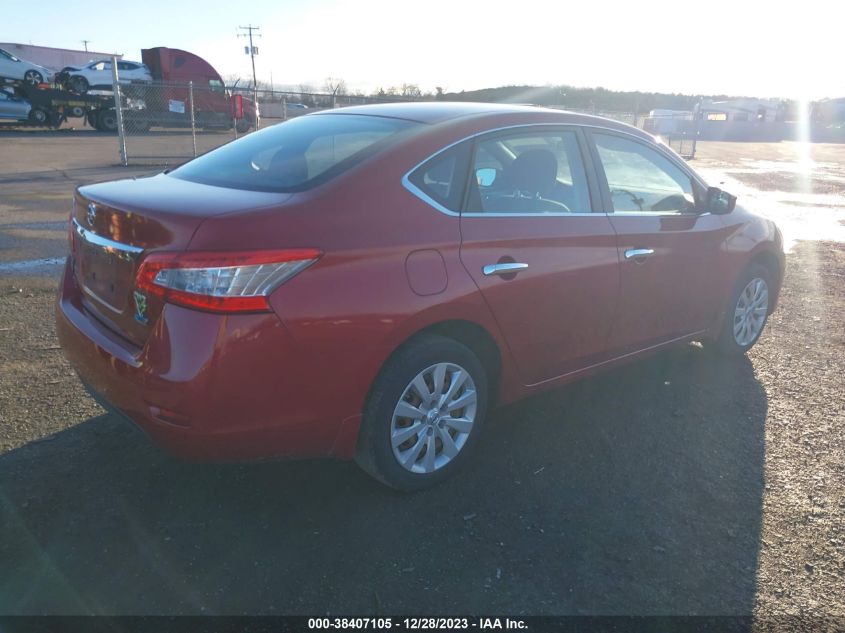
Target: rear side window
443,177
295,155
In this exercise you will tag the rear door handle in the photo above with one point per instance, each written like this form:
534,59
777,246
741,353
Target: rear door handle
508,268
637,253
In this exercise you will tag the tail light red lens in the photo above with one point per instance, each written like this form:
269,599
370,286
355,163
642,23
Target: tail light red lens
221,282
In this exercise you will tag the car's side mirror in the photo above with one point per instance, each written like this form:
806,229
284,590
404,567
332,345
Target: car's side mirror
719,202
485,176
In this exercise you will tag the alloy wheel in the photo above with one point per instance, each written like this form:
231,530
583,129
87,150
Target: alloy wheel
750,311
434,418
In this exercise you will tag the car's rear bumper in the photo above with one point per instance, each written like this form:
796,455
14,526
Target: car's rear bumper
204,386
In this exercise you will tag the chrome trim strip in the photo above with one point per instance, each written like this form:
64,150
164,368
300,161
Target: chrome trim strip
419,193
124,250
655,214
596,214
574,372
507,268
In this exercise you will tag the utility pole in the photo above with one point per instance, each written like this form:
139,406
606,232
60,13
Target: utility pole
252,51
85,44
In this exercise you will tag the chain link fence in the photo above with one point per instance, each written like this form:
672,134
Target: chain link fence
168,123
280,105
680,130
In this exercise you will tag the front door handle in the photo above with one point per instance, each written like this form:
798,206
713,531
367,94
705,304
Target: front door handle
508,268
638,253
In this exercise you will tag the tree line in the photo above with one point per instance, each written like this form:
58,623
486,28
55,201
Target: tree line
559,96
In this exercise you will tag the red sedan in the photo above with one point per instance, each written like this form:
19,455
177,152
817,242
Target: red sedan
367,282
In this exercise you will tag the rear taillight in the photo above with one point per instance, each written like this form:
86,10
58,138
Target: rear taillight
221,282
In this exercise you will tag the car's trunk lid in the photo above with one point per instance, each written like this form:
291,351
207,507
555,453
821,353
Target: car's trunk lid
116,224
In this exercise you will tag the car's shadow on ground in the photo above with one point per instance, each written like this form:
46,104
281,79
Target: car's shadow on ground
638,491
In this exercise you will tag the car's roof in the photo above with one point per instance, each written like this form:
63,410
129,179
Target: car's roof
434,112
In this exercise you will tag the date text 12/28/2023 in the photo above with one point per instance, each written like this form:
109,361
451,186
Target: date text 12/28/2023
416,624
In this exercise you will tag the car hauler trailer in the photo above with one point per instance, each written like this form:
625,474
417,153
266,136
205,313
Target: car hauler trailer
52,106
179,77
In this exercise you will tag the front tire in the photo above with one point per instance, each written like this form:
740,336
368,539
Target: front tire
33,77
747,311
78,84
424,415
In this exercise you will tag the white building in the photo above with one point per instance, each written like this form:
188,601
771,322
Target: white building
762,110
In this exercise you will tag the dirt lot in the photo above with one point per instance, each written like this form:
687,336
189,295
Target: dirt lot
683,484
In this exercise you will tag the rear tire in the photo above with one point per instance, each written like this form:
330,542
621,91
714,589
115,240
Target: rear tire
39,116
747,311
441,429
107,121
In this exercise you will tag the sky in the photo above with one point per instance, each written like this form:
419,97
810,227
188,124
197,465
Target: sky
737,47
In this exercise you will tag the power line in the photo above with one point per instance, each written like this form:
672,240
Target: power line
85,43
252,50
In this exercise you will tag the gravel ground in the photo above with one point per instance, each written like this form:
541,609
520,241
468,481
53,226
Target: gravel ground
682,484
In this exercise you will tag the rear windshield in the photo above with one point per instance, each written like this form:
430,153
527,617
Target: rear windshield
295,155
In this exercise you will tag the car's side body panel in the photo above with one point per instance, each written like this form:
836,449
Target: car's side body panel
675,290
556,314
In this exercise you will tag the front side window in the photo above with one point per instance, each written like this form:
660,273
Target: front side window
529,172
8,55
641,179
295,155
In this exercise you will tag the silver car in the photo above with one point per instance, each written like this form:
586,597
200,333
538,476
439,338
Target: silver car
12,67
13,108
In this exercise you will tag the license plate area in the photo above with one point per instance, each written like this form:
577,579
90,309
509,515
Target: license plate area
105,275
105,269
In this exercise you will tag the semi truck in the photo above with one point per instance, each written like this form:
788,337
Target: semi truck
165,101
